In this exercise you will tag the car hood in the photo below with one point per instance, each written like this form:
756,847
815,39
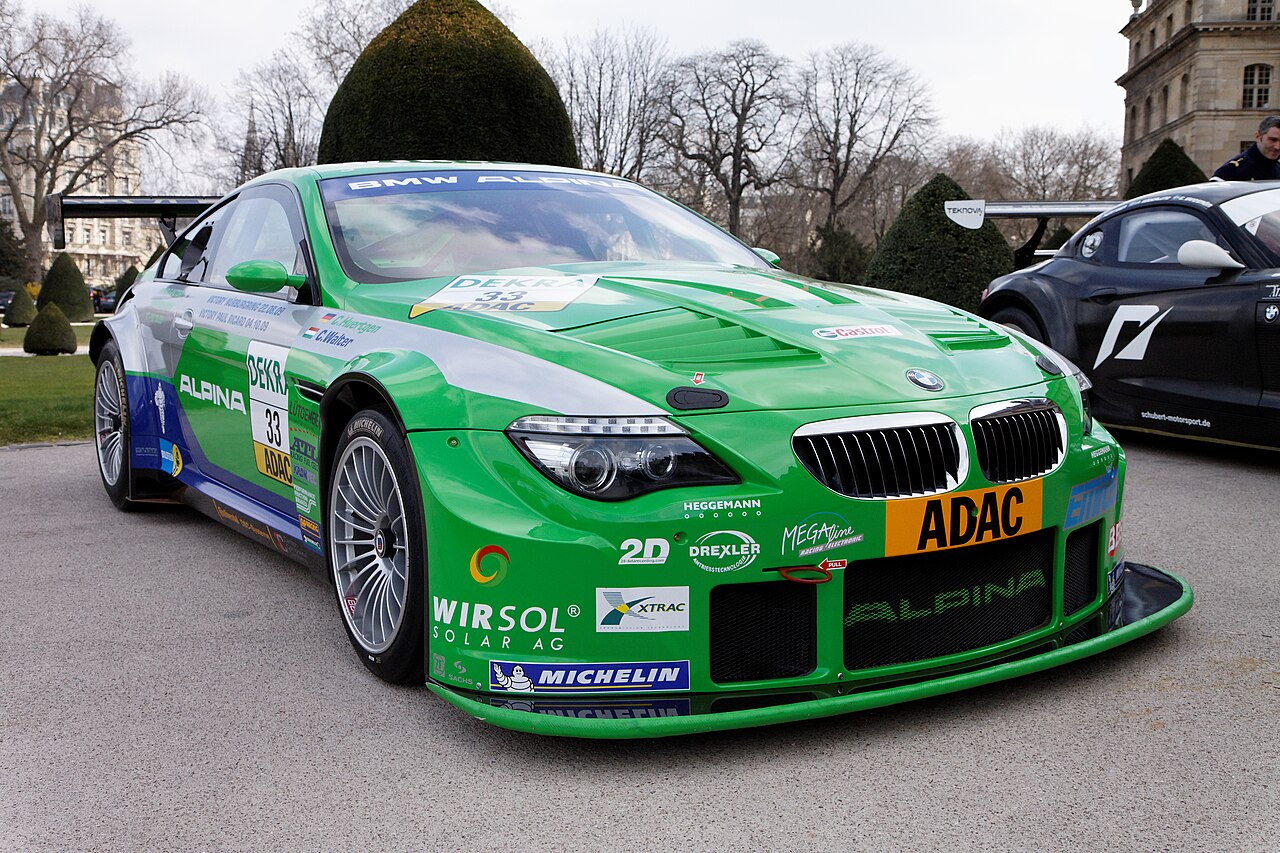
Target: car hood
769,339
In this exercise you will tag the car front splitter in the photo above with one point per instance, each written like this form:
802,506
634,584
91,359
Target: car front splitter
1147,599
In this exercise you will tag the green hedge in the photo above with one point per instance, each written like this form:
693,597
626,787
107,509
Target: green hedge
926,254
447,81
21,310
50,333
1167,167
65,287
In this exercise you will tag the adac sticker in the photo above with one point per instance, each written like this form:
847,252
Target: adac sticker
936,523
506,293
648,676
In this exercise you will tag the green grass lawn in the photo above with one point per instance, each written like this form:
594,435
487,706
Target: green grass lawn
13,337
45,398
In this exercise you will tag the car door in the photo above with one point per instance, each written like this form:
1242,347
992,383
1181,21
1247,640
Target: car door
231,370
1164,343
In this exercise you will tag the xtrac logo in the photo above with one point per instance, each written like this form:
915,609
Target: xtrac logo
1136,349
643,609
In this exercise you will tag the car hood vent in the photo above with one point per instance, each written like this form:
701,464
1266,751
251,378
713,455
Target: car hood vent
950,330
681,338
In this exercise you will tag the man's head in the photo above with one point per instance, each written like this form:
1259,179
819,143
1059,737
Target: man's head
1269,137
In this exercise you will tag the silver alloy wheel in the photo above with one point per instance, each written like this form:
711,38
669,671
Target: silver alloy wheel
368,539
108,422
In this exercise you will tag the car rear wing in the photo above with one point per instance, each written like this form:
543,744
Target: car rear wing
167,210
971,213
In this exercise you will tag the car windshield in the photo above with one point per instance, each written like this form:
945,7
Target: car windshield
1258,214
411,225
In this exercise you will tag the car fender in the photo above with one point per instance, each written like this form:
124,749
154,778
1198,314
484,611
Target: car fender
1040,296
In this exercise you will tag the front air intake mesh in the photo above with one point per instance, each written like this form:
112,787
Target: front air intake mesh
1019,441
763,630
889,462
923,606
1080,580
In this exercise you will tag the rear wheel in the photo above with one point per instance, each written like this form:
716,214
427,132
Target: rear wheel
377,548
111,425
1020,321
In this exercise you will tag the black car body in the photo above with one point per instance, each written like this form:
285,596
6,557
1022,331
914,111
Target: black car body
1190,348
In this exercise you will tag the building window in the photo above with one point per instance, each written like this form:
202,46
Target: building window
124,186
84,235
1168,28
1151,43
1257,86
1186,12
1146,116
102,236
1260,10
6,205
126,235
1184,94
1133,123
1164,106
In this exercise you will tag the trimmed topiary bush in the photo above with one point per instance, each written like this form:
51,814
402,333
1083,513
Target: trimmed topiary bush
926,254
50,333
1168,166
155,256
65,287
126,278
21,310
447,81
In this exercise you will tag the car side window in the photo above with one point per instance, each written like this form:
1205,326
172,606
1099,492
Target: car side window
259,229
187,257
1154,236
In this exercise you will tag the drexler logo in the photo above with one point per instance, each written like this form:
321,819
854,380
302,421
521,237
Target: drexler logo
724,551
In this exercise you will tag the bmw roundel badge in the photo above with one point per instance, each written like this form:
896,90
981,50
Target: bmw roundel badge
1272,312
926,380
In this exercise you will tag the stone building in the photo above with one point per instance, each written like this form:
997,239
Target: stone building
103,249
1200,73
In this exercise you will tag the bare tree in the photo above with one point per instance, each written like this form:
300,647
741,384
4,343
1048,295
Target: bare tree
859,108
65,108
612,86
337,32
282,103
729,118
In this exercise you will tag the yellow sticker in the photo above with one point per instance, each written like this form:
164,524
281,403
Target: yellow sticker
273,463
918,525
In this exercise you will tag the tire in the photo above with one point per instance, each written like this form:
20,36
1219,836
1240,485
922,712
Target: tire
376,547
1020,321
111,426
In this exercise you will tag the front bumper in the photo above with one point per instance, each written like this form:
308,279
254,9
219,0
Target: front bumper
1146,600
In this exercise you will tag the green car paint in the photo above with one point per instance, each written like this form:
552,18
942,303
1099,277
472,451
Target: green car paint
676,609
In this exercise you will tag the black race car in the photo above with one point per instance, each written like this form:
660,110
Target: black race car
1170,302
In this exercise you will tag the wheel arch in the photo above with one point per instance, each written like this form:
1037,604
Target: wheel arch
1035,295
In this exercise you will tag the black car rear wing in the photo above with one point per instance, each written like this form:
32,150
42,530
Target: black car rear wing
167,210
971,213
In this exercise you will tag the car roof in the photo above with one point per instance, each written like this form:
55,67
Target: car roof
1214,192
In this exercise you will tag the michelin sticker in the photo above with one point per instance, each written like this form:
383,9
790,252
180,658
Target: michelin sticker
646,677
506,293
642,609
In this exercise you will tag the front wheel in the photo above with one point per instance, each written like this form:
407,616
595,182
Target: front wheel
377,548
1020,321
111,425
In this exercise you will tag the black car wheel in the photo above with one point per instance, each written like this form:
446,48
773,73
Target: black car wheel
1020,321
377,548
111,425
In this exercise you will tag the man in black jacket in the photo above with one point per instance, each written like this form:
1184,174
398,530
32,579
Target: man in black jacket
1260,161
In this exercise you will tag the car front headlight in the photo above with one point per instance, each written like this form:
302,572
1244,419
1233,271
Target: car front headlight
612,459
1065,365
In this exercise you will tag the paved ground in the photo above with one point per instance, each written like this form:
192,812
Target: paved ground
166,684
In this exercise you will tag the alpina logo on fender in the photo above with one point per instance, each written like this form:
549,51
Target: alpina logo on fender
936,523
216,394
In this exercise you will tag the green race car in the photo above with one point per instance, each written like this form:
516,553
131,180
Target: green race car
589,466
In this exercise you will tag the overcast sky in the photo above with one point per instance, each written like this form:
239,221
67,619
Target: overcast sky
989,64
